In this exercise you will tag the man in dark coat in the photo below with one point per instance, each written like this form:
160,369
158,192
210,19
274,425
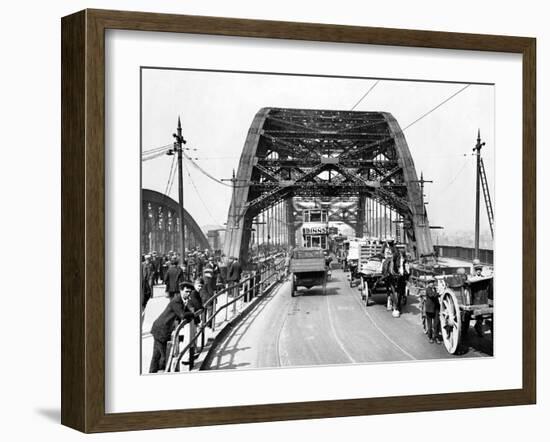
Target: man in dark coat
432,312
222,269
234,272
178,309
156,261
197,298
173,279
210,276
147,274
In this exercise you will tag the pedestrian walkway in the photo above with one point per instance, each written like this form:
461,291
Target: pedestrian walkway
156,305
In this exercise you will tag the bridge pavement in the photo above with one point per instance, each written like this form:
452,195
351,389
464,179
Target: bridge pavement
336,328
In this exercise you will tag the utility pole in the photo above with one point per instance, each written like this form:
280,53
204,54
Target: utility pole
422,181
178,148
477,150
233,215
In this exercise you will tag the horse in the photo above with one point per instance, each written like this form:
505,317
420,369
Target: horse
396,273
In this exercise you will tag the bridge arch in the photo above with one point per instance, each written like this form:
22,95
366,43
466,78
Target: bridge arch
301,153
161,224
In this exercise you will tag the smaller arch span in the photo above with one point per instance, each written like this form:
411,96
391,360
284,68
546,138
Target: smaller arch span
160,218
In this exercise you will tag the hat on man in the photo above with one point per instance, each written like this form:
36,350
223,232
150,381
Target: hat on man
187,285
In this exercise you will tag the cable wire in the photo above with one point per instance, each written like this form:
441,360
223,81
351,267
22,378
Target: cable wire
152,157
366,93
436,107
200,198
211,176
156,149
170,177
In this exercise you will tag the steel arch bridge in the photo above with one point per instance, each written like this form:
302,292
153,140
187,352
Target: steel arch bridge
337,157
161,224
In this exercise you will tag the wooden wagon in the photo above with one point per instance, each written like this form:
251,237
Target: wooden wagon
462,297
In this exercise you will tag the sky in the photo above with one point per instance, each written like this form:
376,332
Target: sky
217,108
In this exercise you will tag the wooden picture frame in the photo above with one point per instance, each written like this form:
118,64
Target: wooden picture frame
83,220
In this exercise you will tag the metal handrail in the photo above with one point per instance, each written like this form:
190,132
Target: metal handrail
194,334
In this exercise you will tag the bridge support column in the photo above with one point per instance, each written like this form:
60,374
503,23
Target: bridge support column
360,216
290,223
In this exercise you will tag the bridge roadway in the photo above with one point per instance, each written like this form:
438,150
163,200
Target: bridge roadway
336,328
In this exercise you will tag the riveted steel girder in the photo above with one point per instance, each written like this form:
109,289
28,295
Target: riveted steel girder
292,153
160,200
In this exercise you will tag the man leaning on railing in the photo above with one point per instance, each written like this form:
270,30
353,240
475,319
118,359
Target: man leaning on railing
177,309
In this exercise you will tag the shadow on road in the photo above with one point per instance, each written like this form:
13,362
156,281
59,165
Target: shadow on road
231,344
318,292
475,343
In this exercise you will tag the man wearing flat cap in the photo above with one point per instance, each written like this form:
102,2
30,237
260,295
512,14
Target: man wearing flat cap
174,278
432,312
178,309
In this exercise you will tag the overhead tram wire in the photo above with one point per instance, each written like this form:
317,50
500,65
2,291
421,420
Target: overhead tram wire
200,197
152,157
436,107
457,174
170,177
213,178
154,153
156,149
365,95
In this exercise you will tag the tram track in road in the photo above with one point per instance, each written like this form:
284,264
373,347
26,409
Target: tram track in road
316,329
368,315
335,333
279,334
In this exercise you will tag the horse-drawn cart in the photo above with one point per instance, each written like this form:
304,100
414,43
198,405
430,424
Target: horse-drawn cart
308,268
462,298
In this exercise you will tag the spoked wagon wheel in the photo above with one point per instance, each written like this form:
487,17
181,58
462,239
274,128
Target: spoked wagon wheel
451,323
366,290
406,295
293,287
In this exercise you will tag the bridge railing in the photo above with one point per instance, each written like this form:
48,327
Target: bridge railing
464,253
229,301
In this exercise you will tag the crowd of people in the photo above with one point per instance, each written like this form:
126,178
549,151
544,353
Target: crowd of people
189,283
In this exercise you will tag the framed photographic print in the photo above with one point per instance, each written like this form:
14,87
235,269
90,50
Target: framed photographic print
269,220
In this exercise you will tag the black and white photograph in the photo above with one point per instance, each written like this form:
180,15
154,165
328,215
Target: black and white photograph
292,220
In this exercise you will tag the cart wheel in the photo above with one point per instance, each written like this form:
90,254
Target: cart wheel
465,326
451,323
293,288
325,285
366,292
407,293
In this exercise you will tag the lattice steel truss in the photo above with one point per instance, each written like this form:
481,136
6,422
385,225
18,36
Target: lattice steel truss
342,155
161,225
